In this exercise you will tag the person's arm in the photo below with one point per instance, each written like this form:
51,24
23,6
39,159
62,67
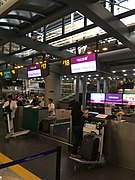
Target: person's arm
5,105
14,106
50,107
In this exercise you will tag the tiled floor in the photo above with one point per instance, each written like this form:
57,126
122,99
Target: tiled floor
45,167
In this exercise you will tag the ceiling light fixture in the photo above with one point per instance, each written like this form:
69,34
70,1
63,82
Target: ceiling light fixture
96,50
104,49
89,52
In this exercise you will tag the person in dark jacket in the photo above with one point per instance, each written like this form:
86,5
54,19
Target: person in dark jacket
35,101
77,127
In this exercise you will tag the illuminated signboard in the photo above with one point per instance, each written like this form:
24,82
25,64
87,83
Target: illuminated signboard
129,99
66,66
34,71
8,74
38,70
83,63
97,98
113,98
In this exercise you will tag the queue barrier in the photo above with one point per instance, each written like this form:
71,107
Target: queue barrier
36,156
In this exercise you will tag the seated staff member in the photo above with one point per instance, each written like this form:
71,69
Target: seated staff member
10,107
51,107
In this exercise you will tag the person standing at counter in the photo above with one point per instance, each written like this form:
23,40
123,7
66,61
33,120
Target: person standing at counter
10,107
51,107
35,101
42,103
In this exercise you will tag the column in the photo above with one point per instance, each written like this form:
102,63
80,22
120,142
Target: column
84,92
98,85
52,87
105,86
77,88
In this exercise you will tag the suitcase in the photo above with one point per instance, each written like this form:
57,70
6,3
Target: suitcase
89,147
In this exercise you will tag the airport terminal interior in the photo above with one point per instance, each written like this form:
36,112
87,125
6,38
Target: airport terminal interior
55,55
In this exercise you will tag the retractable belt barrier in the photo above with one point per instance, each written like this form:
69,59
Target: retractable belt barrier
36,156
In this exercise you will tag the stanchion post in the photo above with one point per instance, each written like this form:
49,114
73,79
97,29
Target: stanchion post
58,163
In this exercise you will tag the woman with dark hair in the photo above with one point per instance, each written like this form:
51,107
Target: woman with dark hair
77,127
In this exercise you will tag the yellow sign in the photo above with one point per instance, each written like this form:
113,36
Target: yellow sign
66,62
43,66
13,71
1,73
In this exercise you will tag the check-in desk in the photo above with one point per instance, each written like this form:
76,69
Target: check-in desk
120,138
32,116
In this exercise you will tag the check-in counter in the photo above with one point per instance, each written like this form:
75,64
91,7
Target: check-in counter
32,116
19,118
120,143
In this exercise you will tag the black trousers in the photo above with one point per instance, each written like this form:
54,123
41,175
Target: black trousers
77,133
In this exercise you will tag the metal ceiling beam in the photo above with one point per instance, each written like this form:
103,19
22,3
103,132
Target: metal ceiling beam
85,41
8,6
35,45
119,68
11,59
17,17
117,55
39,3
30,8
72,33
103,18
8,24
119,16
53,17
126,14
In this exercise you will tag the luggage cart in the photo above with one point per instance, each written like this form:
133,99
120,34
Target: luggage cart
10,127
100,160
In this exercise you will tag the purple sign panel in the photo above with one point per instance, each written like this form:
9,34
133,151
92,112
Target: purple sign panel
33,67
114,98
84,63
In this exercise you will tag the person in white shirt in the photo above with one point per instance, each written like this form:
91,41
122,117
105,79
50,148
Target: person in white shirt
51,107
42,103
10,107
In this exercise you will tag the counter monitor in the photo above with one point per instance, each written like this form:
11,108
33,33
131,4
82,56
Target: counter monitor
113,98
129,99
97,98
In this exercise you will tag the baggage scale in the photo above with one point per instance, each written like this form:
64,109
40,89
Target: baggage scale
10,127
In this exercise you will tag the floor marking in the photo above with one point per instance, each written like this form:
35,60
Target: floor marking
19,170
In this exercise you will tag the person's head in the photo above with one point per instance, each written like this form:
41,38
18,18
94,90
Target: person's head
9,97
76,106
50,100
35,97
